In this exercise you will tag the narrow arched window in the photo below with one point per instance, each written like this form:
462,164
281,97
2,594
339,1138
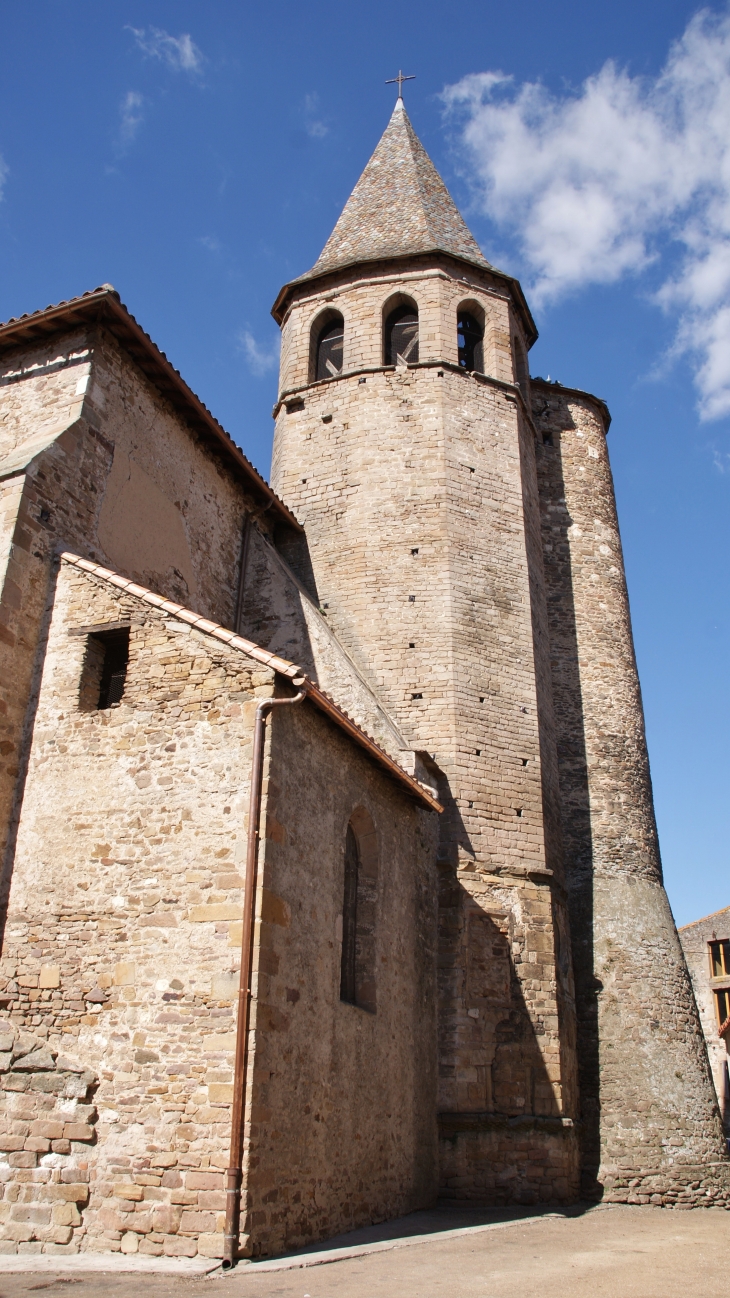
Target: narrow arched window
348,976
360,913
471,342
401,336
330,349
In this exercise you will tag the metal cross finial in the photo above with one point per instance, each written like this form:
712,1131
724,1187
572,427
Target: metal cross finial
400,79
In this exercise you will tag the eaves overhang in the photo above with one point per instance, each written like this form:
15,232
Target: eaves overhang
279,309
103,307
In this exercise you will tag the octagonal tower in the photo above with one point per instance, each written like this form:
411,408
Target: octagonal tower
406,444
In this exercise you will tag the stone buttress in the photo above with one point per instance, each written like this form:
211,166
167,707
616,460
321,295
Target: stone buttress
649,1124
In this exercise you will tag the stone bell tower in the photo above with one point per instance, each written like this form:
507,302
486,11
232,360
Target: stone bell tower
410,459
410,445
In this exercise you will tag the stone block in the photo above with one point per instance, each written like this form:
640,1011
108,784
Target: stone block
220,1093
24,1159
214,913
39,1215
73,1193
124,974
205,1181
38,1144
224,987
51,1130
125,1190
77,1131
166,1219
67,1214
149,1248
178,1247
211,1245
212,1200
10,1143
49,976
194,1222
218,1042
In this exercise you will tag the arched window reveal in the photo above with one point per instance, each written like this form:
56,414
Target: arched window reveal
348,984
330,349
359,913
471,342
401,336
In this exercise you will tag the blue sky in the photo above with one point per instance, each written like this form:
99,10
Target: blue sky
197,156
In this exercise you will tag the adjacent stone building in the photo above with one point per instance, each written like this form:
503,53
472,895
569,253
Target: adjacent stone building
706,945
407,937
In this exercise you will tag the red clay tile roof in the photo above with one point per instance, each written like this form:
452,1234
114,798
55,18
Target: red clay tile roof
103,305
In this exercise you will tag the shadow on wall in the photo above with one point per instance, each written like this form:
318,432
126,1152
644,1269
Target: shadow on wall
574,795
491,1061
7,865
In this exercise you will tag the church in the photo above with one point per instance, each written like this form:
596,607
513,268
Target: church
331,883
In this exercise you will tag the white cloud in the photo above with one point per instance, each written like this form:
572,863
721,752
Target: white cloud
260,359
3,175
179,52
131,116
622,174
314,126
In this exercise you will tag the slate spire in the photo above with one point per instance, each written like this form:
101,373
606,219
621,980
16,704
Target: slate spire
399,206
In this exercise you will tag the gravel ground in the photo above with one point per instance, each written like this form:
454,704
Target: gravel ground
611,1252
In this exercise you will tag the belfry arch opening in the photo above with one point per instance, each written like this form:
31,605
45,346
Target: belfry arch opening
400,331
327,349
470,336
359,912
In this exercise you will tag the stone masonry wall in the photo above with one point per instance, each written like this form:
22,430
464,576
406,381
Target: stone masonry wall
417,488
122,940
344,1100
647,1103
123,482
121,957
695,939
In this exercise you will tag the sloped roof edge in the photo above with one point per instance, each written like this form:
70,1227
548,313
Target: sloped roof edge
285,668
104,306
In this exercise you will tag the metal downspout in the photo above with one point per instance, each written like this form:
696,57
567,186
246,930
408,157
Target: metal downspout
234,1173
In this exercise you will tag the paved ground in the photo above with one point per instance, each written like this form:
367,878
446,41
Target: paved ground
612,1252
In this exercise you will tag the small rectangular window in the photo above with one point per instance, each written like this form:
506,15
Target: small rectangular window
722,1000
104,672
720,959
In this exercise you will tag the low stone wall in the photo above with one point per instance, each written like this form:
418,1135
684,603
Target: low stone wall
491,1159
702,1185
46,1129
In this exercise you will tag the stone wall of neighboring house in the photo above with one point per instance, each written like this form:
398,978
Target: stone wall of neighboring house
696,939
121,955
648,1107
